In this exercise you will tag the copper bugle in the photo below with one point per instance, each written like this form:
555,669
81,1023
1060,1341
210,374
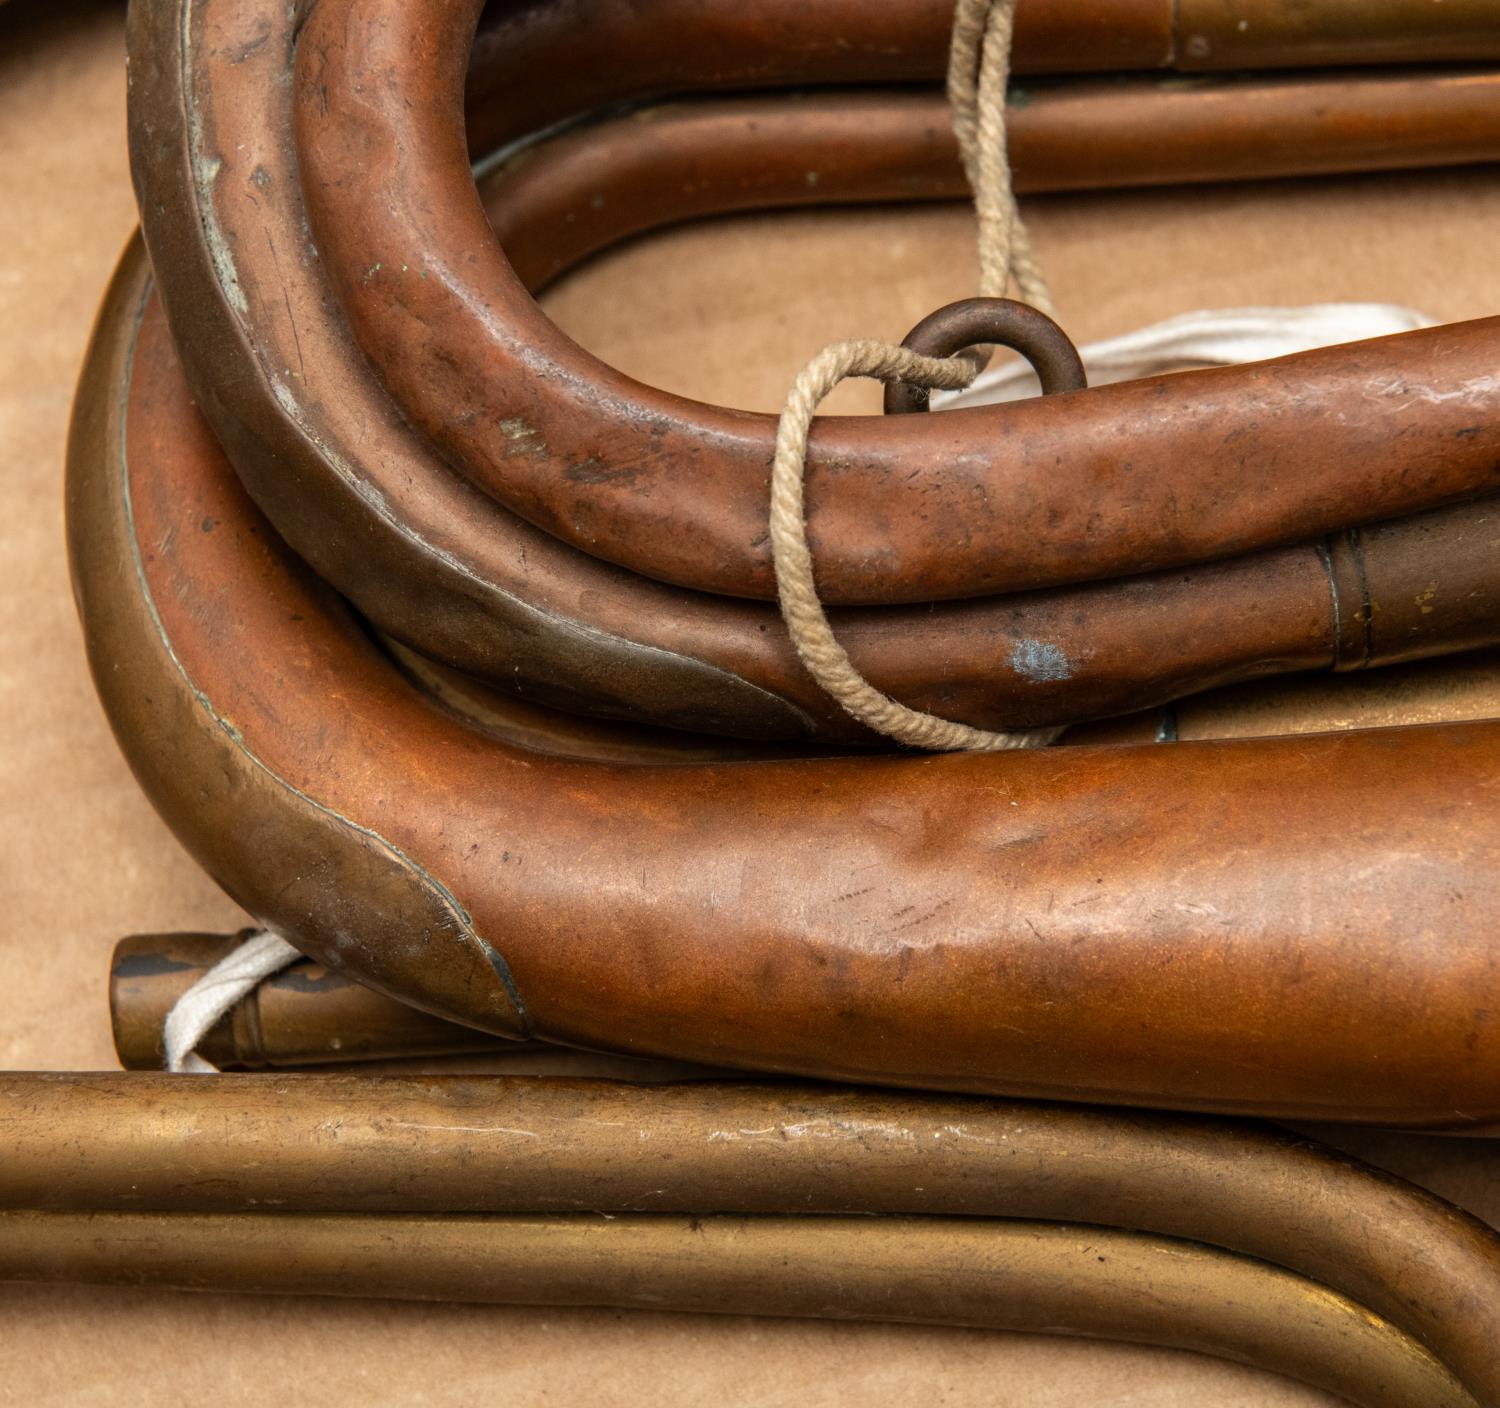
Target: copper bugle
1291,926
176,1174
1042,1278
1297,926
448,571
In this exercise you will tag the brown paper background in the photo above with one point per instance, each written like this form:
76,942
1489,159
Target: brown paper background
726,311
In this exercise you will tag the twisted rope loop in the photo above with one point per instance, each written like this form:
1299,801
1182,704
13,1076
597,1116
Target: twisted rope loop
978,71
978,76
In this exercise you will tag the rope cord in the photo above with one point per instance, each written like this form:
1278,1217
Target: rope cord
978,72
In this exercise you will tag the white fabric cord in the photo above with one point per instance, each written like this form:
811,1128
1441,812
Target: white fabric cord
1212,338
233,977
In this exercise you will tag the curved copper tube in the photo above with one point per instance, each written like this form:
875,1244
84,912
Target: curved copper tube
1054,490
555,200
994,924
997,924
472,1147
447,570
539,64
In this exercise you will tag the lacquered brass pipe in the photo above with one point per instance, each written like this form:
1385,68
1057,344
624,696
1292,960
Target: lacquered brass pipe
128,1149
1013,1276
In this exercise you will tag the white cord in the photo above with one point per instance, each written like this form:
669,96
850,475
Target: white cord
233,977
1213,338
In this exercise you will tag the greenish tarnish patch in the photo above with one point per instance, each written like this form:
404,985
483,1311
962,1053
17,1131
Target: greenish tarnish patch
1040,661
1018,97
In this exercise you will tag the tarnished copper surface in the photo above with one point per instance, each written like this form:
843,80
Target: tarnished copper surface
1090,922
1001,500
185,1167
447,570
1271,33
691,47
538,64
553,200
1298,926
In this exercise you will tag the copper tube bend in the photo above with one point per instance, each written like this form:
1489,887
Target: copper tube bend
1089,922
448,570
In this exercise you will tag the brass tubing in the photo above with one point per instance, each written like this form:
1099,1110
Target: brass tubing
1012,1276
311,1015
554,201
306,1015
367,1146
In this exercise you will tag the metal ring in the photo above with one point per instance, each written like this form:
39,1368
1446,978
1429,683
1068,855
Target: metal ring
1007,322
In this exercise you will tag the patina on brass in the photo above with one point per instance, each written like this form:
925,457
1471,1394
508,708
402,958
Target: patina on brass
1045,1279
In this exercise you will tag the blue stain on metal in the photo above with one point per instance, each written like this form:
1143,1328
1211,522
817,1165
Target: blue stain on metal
1040,660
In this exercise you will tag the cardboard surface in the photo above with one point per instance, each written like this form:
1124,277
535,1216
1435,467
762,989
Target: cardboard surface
726,311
